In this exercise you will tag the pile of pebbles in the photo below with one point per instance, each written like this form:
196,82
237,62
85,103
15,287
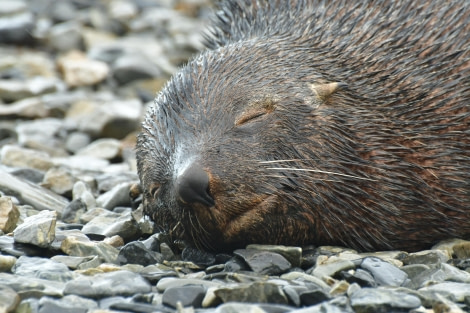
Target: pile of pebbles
75,79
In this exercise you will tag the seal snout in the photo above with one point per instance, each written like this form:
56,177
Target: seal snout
193,186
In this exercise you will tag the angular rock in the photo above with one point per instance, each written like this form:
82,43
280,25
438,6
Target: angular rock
292,254
117,196
186,295
38,197
76,247
111,224
136,253
28,287
60,180
21,157
257,292
12,90
427,257
38,230
42,268
78,70
264,262
385,274
9,215
107,285
105,148
330,269
458,291
368,300
69,304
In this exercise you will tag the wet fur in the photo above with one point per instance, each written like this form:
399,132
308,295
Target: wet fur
383,163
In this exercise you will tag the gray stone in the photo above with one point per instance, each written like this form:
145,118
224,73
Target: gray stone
66,36
235,307
34,195
72,262
385,274
107,285
45,134
77,247
458,291
427,257
136,252
190,295
111,224
117,196
80,191
303,277
12,90
28,287
257,292
9,215
369,300
21,157
292,254
16,23
134,67
264,262
171,282
28,306
9,299
42,268
38,230
105,148
77,141
69,304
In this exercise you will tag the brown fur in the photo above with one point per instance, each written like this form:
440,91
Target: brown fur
379,161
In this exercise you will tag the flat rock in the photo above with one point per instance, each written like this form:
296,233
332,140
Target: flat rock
38,230
368,300
384,273
74,246
264,262
12,90
292,254
68,304
78,70
32,287
32,194
42,268
458,291
107,285
257,292
9,299
191,295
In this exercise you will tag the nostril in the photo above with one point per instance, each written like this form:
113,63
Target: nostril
192,186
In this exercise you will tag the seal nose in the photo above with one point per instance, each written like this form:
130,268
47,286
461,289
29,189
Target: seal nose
192,185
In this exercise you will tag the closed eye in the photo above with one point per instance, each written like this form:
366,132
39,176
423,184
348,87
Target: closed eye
249,116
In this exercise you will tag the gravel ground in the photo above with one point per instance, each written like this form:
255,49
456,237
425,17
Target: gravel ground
75,78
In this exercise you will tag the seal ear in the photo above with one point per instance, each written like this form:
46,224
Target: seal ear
321,92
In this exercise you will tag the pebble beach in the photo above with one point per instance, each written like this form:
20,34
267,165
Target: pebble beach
76,77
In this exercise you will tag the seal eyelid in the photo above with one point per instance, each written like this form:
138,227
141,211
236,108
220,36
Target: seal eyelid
250,115
153,190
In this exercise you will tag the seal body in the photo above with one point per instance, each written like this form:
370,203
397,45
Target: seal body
316,122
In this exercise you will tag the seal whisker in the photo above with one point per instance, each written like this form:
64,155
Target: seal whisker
319,171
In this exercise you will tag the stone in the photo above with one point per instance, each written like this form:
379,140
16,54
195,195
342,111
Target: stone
65,36
257,292
427,257
9,215
134,67
73,211
105,148
135,252
32,194
369,300
27,287
190,295
234,307
69,304
264,262
42,268
16,23
78,70
110,224
12,90
60,180
107,285
330,267
9,299
292,254
384,273
38,230
6,263
171,282
74,246
77,141
117,196
82,192
361,277
458,291
72,262
45,135
198,257
21,157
